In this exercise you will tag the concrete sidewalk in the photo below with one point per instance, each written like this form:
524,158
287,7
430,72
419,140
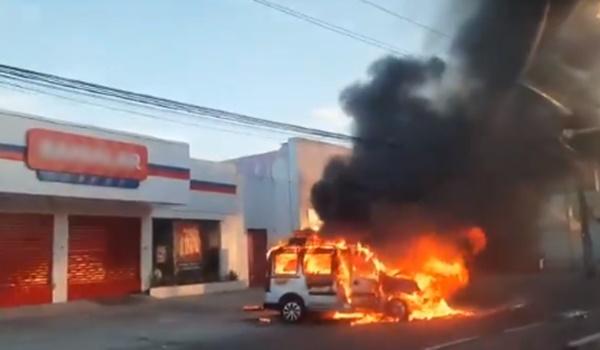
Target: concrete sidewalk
130,323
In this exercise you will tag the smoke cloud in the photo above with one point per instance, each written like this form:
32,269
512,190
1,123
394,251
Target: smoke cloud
443,145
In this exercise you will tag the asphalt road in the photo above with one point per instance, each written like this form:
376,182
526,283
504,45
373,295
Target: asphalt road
524,312
542,321
508,329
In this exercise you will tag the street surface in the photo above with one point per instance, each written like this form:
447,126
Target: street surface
514,312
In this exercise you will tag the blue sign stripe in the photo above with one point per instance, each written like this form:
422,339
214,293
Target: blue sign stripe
91,180
12,148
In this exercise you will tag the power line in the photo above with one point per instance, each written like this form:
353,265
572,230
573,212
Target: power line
100,91
195,123
46,87
333,28
404,18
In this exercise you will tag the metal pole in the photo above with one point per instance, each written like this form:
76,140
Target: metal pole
586,238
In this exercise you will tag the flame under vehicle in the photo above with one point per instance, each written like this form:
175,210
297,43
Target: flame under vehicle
310,274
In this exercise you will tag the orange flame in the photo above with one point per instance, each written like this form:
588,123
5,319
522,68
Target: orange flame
286,264
477,239
317,263
436,264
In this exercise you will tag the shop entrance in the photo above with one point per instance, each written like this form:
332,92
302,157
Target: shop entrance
104,257
25,259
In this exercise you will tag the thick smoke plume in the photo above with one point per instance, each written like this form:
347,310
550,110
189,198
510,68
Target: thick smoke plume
443,145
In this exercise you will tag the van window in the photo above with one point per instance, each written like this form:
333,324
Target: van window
285,263
362,267
318,263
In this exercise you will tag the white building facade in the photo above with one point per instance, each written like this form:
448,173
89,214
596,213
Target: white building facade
276,193
80,211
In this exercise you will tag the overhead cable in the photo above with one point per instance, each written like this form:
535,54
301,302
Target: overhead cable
404,18
333,28
100,91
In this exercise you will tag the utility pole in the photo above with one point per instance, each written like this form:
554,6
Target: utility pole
586,238
581,186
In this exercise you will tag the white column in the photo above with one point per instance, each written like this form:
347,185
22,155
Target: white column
294,184
146,252
60,258
234,245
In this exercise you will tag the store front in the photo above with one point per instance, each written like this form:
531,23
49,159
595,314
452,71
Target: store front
201,247
80,208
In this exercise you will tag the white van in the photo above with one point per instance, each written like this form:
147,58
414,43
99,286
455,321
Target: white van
301,280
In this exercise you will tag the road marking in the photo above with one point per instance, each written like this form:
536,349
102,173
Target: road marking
583,341
451,343
522,328
575,314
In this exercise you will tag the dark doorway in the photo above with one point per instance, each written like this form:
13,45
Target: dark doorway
257,256
186,251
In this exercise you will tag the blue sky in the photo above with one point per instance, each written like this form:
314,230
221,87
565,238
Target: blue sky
229,54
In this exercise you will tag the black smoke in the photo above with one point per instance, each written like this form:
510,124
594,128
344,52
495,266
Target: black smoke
446,144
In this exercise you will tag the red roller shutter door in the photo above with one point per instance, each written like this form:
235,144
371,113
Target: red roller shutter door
25,259
104,257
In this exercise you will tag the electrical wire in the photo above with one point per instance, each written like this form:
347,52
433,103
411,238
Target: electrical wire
28,89
333,28
100,91
404,18
192,122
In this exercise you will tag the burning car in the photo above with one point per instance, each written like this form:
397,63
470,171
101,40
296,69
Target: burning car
310,274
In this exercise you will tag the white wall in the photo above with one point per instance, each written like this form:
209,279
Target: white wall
258,188
269,192
277,185
18,178
312,158
284,217
216,172
223,207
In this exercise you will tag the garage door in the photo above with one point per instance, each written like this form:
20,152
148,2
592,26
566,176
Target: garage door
104,257
25,259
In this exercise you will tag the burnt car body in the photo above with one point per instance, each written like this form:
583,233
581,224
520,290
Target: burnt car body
294,287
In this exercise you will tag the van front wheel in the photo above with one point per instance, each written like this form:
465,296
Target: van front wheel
292,310
398,309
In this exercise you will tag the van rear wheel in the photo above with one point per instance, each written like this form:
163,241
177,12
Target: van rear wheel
292,310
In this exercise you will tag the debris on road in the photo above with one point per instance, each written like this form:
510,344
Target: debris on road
264,320
250,308
517,305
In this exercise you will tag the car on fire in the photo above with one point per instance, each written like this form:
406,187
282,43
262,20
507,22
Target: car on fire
307,274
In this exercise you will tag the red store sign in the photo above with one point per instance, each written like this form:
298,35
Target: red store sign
62,152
